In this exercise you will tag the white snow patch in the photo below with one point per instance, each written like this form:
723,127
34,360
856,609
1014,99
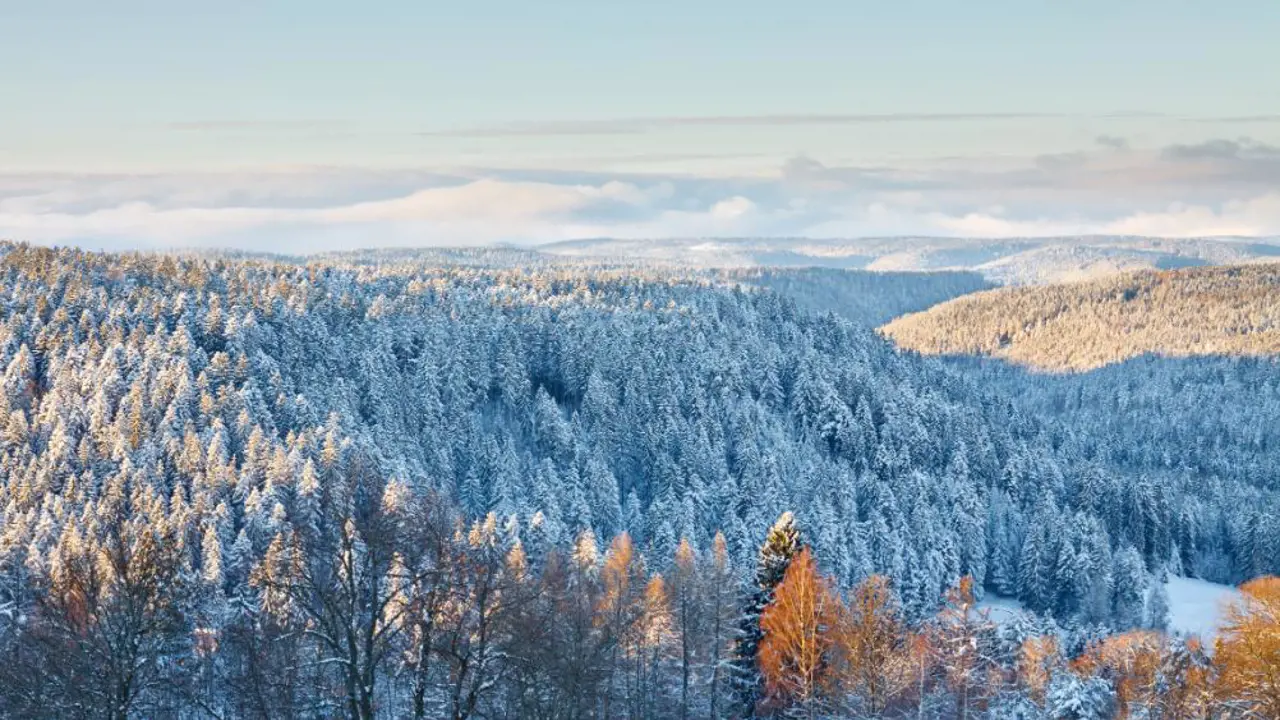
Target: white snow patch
1001,609
1196,607
707,247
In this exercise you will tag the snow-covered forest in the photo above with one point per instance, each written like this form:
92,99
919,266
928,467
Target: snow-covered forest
403,487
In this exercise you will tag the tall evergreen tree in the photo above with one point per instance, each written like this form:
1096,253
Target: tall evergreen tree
781,545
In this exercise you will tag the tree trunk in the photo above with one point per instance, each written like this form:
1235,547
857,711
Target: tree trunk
684,675
420,680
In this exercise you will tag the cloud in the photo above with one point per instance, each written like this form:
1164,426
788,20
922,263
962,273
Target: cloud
1252,217
471,212
258,125
1113,142
1218,186
1220,149
493,199
1215,170
631,126
1255,217
640,125
1227,165
732,208
1243,119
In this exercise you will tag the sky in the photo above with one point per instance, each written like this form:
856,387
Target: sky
272,124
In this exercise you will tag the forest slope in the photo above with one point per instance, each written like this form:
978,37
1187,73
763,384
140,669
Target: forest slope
1079,326
862,296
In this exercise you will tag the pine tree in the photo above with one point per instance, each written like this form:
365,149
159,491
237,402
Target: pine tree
211,558
1033,586
1071,697
1129,595
1158,604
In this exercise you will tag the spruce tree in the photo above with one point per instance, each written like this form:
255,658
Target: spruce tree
780,546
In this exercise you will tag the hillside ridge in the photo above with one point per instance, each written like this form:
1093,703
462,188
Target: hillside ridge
1228,310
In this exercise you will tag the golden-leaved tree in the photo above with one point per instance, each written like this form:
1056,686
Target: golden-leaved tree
877,664
799,637
1248,649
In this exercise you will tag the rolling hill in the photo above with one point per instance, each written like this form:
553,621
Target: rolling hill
1232,311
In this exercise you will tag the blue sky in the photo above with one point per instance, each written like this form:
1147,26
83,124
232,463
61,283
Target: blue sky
446,123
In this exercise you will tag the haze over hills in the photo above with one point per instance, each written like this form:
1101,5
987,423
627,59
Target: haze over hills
1012,261
1079,326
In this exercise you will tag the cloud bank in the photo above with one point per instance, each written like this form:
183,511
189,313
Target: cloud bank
630,126
1216,187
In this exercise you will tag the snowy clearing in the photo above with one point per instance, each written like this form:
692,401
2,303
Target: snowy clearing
1196,606
1001,609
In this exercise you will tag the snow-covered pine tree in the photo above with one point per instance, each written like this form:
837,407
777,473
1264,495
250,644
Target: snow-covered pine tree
781,544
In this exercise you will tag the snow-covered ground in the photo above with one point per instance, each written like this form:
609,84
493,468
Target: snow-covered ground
1195,607
1001,609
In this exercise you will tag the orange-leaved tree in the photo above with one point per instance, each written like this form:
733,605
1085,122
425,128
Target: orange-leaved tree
1038,659
1153,675
1131,661
799,629
1248,649
876,659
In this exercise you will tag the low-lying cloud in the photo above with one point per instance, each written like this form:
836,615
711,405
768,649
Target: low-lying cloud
1217,187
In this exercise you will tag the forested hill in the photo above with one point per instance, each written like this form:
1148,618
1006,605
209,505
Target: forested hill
1231,311
862,296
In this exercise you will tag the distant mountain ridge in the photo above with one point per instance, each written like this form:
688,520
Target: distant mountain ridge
1001,261
1232,310
1008,261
